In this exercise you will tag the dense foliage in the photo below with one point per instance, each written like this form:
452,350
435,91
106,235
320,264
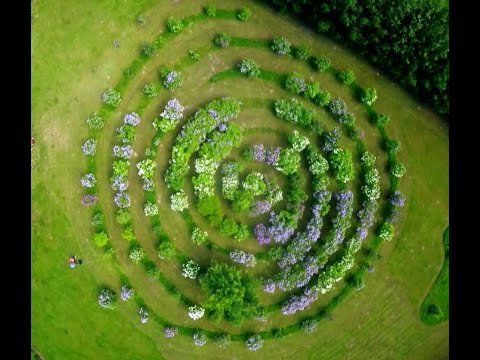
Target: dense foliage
230,294
407,39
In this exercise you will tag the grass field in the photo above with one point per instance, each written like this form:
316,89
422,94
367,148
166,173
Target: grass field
74,61
438,295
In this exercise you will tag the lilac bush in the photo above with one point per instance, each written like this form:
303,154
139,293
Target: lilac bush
179,201
88,180
297,303
126,293
254,342
249,68
89,199
146,168
222,40
190,269
136,254
172,80
122,199
397,199
119,182
170,116
362,233
269,286
280,45
144,315
344,200
331,139
294,83
196,312
397,170
124,151
386,231
261,234
107,299
89,147
199,236
260,207
148,185
111,97
272,155
170,331
95,122
278,230
150,209
199,338
299,142
243,257
125,133
259,152
132,119
308,326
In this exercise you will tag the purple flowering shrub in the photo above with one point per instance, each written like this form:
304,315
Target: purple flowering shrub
122,199
254,342
170,116
111,97
107,299
89,147
89,199
295,84
171,78
249,68
88,180
132,119
170,331
124,151
243,257
126,293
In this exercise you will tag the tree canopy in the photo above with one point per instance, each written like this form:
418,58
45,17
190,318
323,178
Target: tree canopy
230,293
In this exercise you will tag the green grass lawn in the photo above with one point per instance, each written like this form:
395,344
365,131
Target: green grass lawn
438,295
69,39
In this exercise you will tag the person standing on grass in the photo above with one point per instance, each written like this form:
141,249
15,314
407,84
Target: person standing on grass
72,262
32,142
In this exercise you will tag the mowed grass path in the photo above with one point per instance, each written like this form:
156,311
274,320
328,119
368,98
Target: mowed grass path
68,39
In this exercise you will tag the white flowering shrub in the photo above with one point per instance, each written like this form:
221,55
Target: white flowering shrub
199,338
146,168
179,201
397,170
190,269
386,231
95,122
196,312
144,315
299,142
199,236
254,342
111,97
249,68
88,180
136,254
150,209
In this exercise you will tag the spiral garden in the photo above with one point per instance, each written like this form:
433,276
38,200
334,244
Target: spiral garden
240,189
